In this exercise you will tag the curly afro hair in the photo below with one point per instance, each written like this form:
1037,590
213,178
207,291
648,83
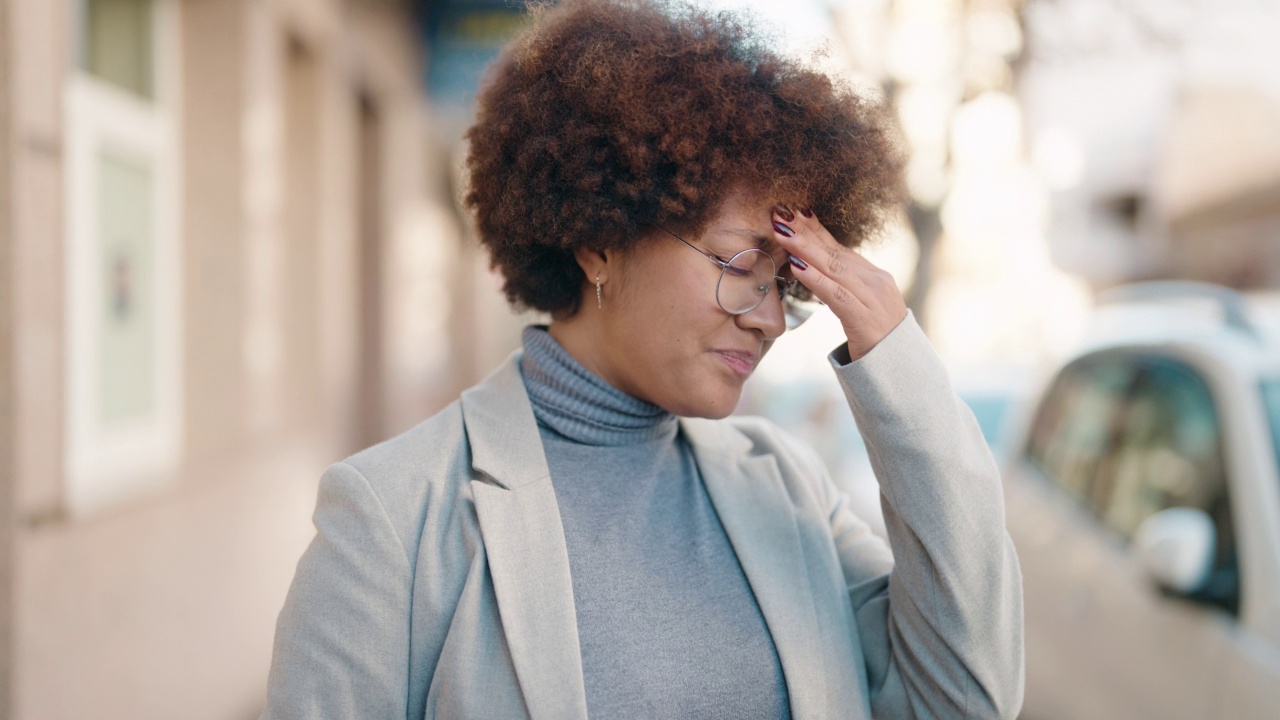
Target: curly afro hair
605,118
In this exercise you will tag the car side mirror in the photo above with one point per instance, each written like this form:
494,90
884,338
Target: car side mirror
1176,547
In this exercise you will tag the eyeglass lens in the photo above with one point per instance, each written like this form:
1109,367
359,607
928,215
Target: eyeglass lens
745,281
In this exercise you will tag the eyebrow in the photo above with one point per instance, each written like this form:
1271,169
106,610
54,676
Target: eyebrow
763,242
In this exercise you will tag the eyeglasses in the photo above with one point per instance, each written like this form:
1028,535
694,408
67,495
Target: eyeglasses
745,280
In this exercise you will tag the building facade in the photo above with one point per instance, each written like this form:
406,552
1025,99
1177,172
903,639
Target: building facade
229,255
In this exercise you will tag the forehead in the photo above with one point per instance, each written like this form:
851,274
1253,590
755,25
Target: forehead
744,220
735,237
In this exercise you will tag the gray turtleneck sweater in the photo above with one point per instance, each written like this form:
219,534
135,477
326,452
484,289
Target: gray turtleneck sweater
667,623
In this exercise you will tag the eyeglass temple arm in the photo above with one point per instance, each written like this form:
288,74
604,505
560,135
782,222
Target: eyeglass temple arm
719,263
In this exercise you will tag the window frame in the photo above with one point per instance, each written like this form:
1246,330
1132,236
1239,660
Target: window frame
107,465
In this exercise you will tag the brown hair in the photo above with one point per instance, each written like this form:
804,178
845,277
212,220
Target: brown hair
607,117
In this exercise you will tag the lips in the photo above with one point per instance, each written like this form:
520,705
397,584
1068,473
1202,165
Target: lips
742,362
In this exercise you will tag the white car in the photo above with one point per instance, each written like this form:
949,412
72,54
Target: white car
1143,496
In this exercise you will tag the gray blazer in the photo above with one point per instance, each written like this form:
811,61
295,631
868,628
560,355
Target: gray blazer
438,582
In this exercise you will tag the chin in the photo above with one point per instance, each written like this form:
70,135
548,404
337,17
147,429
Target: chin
716,407
717,414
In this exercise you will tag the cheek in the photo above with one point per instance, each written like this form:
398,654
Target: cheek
672,305
666,318
685,322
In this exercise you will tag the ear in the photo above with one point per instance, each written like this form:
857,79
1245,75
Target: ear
595,262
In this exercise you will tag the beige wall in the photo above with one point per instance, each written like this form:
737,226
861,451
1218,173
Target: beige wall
164,607
6,347
38,67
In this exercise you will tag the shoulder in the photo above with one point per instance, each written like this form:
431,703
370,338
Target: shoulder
421,473
421,478
394,466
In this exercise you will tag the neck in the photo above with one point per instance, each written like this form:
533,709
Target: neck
581,335
580,406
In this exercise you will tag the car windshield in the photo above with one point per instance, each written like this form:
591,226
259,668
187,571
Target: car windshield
1271,399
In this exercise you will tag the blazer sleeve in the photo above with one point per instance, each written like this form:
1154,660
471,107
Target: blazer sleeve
342,639
942,630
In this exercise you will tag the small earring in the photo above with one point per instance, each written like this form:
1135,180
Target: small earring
599,296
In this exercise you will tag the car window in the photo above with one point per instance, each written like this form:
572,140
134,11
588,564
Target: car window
1077,422
1169,453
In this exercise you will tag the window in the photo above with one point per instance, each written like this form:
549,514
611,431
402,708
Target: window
1170,452
1078,421
118,45
1128,436
123,288
1170,455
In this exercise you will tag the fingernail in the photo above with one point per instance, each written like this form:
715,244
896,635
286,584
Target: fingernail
784,212
799,263
805,211
783,229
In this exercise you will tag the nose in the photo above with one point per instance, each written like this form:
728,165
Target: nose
766,318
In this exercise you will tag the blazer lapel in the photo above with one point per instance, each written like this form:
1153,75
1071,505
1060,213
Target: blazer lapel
524,543
757,515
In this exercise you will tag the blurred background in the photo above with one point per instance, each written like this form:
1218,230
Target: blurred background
232,252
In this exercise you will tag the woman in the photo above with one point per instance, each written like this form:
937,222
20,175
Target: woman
584,532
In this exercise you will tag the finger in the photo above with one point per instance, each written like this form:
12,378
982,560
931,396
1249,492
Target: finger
807,220
806,238
837,263
843,301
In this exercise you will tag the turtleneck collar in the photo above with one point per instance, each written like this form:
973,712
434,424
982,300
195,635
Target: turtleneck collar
572,401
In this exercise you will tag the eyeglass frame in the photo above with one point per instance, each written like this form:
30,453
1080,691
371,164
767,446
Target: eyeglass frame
784,286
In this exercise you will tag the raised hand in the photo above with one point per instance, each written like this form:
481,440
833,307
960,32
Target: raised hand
862,295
